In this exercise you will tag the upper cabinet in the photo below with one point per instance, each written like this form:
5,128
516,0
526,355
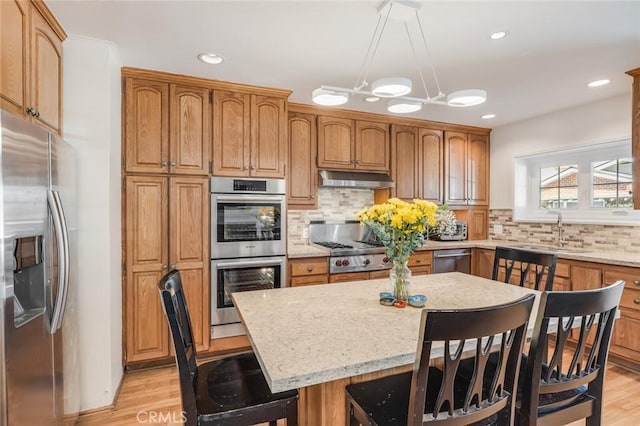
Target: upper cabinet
31,70
249,137
302,179
167,128
466,169
417,155
345,144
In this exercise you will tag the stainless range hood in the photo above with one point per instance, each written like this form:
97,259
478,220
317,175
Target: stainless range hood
355,180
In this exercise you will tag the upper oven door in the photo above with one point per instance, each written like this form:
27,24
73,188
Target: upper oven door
247,225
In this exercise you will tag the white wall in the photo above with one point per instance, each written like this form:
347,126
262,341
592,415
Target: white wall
601,121
91,102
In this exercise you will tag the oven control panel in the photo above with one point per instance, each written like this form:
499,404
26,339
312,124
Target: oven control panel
359,263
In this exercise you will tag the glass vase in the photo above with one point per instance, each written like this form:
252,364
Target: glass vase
400,279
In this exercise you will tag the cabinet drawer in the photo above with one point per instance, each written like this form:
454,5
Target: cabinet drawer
350,276
310,266
383,273
631,278
625,334
631,299
421,258
421,270
309,280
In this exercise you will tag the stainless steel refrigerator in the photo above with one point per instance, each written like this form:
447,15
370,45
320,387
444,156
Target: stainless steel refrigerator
39,376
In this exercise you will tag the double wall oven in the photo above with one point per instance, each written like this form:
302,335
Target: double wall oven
248,244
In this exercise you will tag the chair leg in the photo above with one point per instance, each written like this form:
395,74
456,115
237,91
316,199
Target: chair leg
273,423
292,413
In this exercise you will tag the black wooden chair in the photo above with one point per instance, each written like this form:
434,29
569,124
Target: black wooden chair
230,391
541,265
441,396
569,387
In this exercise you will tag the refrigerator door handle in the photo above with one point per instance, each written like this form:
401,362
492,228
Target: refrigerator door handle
62,237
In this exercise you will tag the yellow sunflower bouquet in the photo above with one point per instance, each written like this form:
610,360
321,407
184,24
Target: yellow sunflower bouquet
399,225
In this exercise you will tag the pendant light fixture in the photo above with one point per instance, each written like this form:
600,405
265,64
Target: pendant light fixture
397,88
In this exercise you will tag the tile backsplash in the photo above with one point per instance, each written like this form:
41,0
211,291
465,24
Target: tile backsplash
602,237
334,204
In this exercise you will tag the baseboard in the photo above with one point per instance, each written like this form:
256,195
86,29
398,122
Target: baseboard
105,409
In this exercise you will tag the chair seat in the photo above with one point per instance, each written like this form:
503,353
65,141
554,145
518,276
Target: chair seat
386,400
234,384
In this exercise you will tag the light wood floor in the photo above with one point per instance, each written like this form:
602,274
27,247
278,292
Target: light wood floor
156,393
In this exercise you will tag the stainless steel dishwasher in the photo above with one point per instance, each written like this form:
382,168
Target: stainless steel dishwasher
452,260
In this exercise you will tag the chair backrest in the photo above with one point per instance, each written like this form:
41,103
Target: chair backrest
175,309
477,328
541,265
595,311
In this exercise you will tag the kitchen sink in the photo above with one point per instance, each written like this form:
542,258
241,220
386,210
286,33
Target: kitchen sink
552,249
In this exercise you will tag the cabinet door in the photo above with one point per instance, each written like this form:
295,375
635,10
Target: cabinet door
46,72
478,170
431,157
14,43
483,262
455,168
302,179
335,143
189,248
268,137
405,162
146,117
477,224
372,146
146,236
231,132
190,127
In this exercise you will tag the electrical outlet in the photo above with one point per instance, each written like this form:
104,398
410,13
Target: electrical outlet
497,229
305,232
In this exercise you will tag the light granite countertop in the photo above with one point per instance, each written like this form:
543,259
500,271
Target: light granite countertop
611,257
314,334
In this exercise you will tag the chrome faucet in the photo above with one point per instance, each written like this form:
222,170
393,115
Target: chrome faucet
561,240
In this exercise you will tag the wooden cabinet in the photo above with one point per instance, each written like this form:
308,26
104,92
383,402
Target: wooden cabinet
466,169
482,262
31,70
166,227
307,271
416,163
420,262
302,179
348,276
249,135
167,128
346,144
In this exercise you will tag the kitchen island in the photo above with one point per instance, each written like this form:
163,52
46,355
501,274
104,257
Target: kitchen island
321,338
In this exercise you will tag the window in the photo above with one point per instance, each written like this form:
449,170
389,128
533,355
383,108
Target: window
590,184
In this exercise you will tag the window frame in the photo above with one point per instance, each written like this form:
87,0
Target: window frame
526,196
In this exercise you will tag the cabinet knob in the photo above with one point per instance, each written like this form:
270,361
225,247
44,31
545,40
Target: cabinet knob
418,260
163,164
245,168
32,112
636,282
636,301
173,164
253,167
173,266
309,268
165,266
313,196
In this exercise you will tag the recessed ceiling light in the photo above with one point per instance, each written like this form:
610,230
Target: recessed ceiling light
371,99
498,35
598,83
488,116
211,58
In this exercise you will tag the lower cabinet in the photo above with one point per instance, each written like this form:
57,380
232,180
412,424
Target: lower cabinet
166,226
420,262
308,271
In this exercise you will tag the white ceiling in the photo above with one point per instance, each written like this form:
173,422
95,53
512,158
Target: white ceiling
553,49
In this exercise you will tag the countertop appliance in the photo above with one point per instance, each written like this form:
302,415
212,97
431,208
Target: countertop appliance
451,260
248,244
39,383
354,247
459,234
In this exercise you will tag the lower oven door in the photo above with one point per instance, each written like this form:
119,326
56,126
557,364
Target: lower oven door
229,276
